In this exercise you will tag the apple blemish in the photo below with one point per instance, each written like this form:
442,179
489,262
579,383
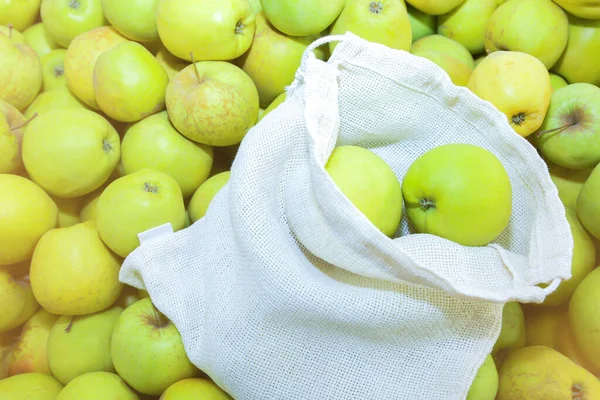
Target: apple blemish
239,28
150,188
376,7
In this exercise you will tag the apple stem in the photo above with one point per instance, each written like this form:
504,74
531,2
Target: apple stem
10,29
195,68
68,328
24,123
560,128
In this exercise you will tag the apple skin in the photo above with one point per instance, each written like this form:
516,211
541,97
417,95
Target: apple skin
135,203
485,384
37,37
581,8
580,62
570,133
194,389
588,206
467,24
170,63
203,196
536,27
20,13
421,24
142,28
147,350
584,317
460,192
56,98
30,386
53,69
448,54
302,18
64,20
557,81
213,103
227,28
154,143
437,7
99,385
18,302
12,127
129,83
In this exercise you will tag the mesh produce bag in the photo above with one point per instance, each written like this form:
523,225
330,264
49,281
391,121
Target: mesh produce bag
284,290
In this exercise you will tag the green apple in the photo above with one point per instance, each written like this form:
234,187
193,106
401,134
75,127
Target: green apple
18,301
65,140
170,63
20,13
588,206
478,60
467,24
581,8
129,82
385,22
66,19
584,317
98,385
273,105
448,54
12,124
206,30
568,182
142,28
37,37
256,6
580,62
30,386
53,69
147,350
302,18
460,192
135,203
436,7
212,102
20,70
273,59
557,81
369,183
485,384
536,27
81,344
81,57
195,389
154,143
204,194
512,334
583,261
570,133
421,24
129,295
60,97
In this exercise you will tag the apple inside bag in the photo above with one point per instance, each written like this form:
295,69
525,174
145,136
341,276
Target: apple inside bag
284,289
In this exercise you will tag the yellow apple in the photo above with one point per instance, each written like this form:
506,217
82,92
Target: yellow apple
29,352
64,20
568,182
18,301
557,81
485,384
63,141
581,8
154,143
99,385
81,58
204,194
467,23
273,105
81,344
28,213
302,18
210,29
580,62
30,386
212,102
194,389
129,83
53,69
20,70
584,317
353,169
141,28
68,210
536,27
518,84
12,124
20,13
170,63
385,22
436,7
40,41
543,325
273,59
135,203
60,97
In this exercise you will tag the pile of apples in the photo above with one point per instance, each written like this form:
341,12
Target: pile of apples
119,116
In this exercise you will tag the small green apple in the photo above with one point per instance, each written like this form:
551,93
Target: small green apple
38,38
588,205
485,384
536,27
206,30
135,203
212,102
302,18
81,344
421,24
147,350
53,69
448,54
141,28
154,143
30,386
570,133
195,389
205,193
370,185
66,19
97,386
129,82
512,334
557,81
460,192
